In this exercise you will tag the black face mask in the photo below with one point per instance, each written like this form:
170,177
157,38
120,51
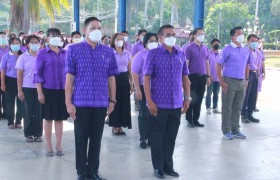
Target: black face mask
216,47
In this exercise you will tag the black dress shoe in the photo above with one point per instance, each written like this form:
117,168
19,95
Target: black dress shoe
197,124
143,145
244,119
252,119
95,176
172,173
191,125
159,174
81,177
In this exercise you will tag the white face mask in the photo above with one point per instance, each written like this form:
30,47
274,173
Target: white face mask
61,44
20,38
41,36
125,38
240,38
152,45
55,41
119,44
170,41
77,40
95,36
200,38
3,41
141,38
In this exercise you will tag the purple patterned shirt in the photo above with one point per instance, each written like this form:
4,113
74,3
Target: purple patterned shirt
197,56
123,60
234,61
166,70
213,59
91,68
49,68
138,64
136,48
8,64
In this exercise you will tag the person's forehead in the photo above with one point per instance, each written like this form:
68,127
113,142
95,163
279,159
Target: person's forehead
94,24
168,30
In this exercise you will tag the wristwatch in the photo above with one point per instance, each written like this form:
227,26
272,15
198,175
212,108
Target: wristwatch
113,101
188,99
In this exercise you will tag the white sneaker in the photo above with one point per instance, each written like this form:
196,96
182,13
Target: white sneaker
209,111
217,111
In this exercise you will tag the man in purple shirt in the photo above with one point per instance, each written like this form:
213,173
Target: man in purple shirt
90,67
191,39
4,49
233,60
214,87
127,44
138,46
252,89
197,55
165,76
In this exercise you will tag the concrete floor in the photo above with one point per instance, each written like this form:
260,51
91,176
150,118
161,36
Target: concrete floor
200,154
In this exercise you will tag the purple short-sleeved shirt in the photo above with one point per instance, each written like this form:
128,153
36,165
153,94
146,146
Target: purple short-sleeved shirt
197,56
185,46
8,64
3,51
166,70
91,68
128,46
138,46
138,64
261,58
254,60
26,63
49,68
234,61
123,60
213,59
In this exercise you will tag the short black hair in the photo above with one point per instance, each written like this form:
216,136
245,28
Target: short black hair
253,35
124,31
232,32
1,32
75,32
88,20
53,31
41,31
191,33
196,30
215,40
147,37
11,40
104,36
29,38
21,33
166,26
12,34
141,31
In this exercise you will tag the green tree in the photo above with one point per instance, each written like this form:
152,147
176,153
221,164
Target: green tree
223,17
275,7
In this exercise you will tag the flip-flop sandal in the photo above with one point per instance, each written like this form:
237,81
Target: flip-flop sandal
29,139
38,139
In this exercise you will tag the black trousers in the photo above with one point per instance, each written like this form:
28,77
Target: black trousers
88,128
198,83
164,128
11,97
2,104
251,95
32,113
143,117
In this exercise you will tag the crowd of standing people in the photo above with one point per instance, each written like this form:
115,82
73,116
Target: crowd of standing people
48,77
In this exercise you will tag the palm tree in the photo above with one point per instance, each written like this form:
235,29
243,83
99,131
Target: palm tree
20,19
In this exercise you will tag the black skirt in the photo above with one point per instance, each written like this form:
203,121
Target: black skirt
54,107
121,116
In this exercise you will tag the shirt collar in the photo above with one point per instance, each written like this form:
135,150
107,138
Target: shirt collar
60,49
89,46
164,50
234,45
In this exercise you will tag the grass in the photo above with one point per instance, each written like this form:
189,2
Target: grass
272,62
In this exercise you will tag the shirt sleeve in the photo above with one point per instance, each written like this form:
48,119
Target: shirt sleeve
222,57
70,63
113,67
39,68
207,53
20,64
187,53
4,62
137,64
149,64
185,68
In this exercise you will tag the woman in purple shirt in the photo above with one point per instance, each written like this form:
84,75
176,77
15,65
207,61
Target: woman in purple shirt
121,116
50,81
150,42
9,83
33,122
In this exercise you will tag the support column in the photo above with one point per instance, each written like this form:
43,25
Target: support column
198,13
122,15
77,14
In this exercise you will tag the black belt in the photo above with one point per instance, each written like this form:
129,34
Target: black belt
253,71
235,78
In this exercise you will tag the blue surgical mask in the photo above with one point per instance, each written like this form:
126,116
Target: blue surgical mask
3,41
34,47
15,47
254,45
